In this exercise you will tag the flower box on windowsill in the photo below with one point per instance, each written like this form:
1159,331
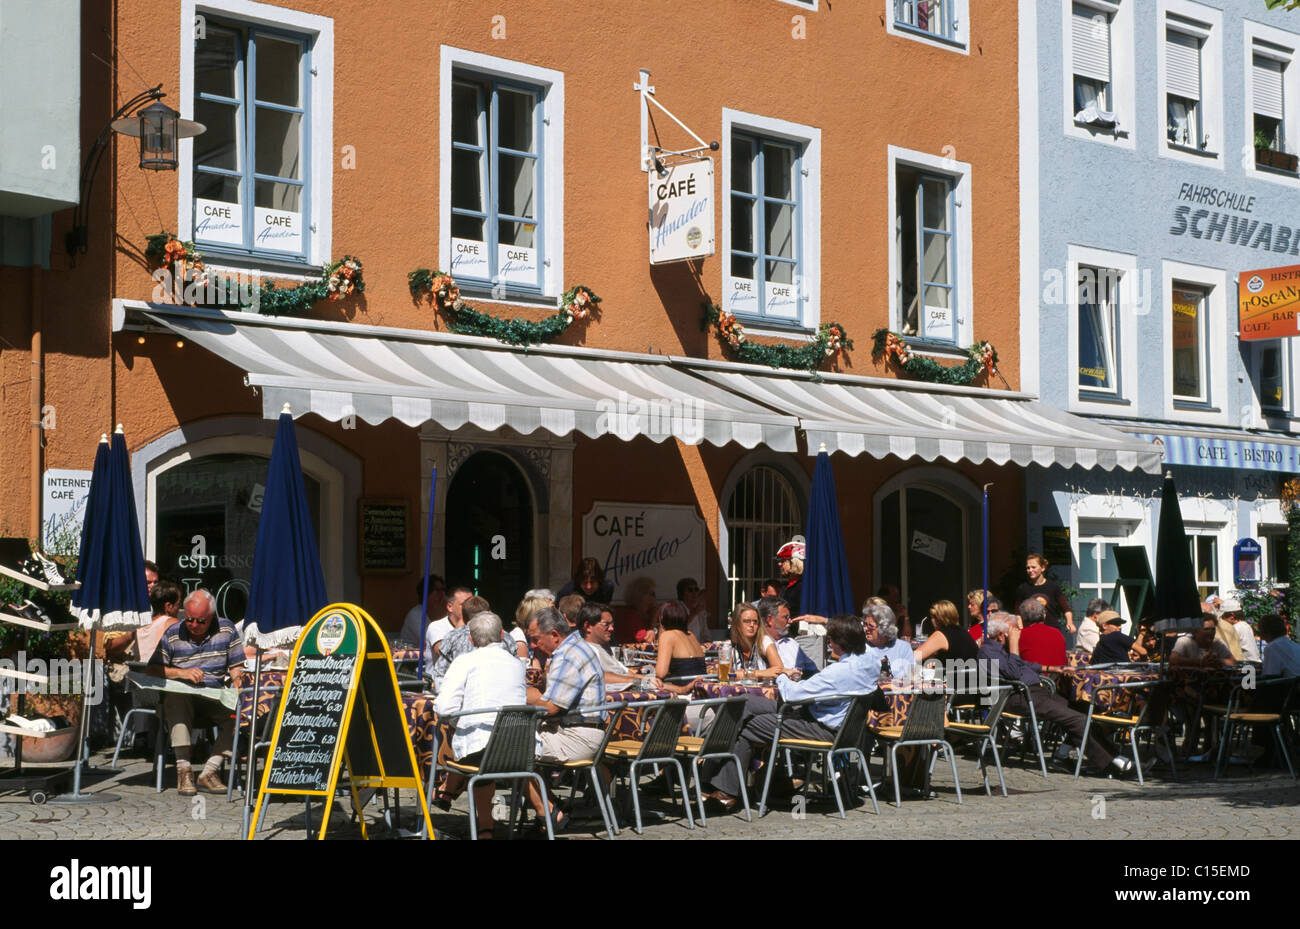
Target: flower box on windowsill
1279,161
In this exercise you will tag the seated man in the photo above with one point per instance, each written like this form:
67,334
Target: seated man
1281,655
596,623
1200,649
775,615
855,672
999,649
575,680
1114,645
483,677
416,615
1090,627
200,650
1040,642
1238,626
457,642
881,628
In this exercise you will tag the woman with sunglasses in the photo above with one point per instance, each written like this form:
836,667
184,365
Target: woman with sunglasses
752,651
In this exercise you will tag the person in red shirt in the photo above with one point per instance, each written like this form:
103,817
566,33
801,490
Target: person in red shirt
1040,642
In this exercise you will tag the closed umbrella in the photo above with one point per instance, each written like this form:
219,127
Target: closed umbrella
1177,600
110,569
288,586
826,590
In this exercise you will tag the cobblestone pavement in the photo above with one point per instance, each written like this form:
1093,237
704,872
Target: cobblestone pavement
1260,804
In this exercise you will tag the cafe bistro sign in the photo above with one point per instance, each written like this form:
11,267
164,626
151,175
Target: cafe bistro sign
681,212
664,542
1267,304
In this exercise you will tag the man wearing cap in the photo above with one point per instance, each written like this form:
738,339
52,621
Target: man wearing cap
1114,645
789,559
1224,631
1231,614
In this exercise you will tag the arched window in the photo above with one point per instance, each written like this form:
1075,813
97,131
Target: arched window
762,514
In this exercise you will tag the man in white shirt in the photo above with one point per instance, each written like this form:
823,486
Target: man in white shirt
1281,655
439,628
415,615
1245,634
1090,629
1200,648
484,677
596,623
775,614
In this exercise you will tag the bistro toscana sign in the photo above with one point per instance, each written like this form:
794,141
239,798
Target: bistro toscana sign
1268,300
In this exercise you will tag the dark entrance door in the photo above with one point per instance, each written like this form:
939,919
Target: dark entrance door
490,531
923,539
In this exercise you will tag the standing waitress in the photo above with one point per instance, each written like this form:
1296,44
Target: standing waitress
1039,585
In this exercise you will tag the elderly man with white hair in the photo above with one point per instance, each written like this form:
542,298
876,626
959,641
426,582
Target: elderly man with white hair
1003,632
201,650
487,676
881,626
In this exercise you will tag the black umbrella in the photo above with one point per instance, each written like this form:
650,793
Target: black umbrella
1177,600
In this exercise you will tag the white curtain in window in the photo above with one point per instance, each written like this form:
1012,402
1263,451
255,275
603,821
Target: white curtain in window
1090,35
1183,65
1267,76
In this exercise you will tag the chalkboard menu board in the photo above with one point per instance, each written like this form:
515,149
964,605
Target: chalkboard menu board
382,537
316,696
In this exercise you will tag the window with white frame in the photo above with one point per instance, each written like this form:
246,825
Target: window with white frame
1204,546
1090,38
1098,353
1275,541
939,21
771,235
501,177
1189,312
252,166
1098,569
1190,80
496,174
765,222
925,241
762,514
1273,376
1267,82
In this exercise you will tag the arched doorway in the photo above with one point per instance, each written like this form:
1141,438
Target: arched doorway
490,531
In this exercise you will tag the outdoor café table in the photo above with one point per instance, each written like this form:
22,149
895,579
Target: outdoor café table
706,689
899,693
1202,686
1077,684
628,724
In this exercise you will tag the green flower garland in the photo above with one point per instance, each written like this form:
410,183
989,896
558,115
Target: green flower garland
831,340
577,304
982,358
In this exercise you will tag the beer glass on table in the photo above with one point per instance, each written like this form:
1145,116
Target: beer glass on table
724,663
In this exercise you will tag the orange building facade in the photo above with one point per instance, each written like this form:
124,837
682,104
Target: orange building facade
866,176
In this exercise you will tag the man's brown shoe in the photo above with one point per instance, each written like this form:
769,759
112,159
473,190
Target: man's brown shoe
211,783
185,782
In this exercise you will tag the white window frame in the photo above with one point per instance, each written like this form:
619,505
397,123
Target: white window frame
1290,97
809,139
1108,531
1126,339
1216,410
1223,561
960,172
1267,520
1122,75
1212,124
960,42
1283,417
552,186
320,182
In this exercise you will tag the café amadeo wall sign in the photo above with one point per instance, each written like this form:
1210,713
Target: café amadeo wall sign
663,541
681,212
1267,303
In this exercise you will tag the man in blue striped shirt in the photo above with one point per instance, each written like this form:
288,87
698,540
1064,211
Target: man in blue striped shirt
200,650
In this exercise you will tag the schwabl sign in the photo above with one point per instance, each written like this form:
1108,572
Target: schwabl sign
681,212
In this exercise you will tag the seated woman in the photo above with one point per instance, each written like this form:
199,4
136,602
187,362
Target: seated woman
680,654
752,651
533,601
975,606
949,640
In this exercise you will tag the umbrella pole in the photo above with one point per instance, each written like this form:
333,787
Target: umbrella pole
985,519
252,733
428,555
83,732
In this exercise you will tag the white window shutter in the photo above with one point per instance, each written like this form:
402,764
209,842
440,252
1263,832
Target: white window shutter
1183,65
1090,36
1267,76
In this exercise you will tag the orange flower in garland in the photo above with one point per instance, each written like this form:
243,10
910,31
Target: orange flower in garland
1291,493
988,358
344,277
834,340
897,348
580,307
173,251
731,330
445,291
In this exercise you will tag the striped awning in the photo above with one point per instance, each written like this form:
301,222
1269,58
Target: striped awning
857,415
341,370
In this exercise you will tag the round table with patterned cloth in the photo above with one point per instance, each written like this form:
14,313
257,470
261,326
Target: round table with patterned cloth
707,690
899,695
1078,685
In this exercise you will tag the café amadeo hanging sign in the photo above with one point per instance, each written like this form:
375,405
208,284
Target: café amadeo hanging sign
681,211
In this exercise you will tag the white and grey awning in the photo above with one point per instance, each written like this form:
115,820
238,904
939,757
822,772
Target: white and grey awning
337,370
857,415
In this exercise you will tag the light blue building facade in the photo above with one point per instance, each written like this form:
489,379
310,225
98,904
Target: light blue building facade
1154,172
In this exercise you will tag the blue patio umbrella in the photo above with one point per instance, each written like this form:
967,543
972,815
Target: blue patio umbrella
288,586
826,590
110,568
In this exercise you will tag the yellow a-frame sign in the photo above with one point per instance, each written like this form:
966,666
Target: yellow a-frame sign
340,705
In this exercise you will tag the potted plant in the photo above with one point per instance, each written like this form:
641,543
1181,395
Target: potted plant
1267,155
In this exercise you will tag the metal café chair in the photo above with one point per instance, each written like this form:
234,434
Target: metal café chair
1271,705
848,742
593,766
1019,688
258,742
1151,719
986,733
718,741
924,726
659,747
510,755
